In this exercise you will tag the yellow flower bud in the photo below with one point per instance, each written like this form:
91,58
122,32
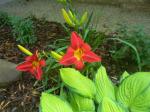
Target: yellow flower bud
24,50
67,18
56,55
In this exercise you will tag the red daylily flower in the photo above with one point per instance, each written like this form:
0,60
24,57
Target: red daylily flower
33,65
78,53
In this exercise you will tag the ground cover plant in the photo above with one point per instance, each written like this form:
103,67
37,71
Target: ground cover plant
132,95
67,69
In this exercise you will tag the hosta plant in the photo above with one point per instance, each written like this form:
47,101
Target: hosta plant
101,95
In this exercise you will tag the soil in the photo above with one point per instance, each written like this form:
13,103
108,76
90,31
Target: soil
23,95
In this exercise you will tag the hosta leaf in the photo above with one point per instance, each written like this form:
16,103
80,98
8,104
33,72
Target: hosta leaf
51,103
124,75
80,103
134,92
104,86
108,105
77,82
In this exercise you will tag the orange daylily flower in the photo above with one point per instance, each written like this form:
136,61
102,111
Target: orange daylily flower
78,53
33,65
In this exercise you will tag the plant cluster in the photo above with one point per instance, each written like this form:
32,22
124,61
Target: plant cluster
100,95
76,91
23,30
136,37
4,19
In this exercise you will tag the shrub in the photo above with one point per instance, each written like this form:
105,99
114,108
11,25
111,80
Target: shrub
23,30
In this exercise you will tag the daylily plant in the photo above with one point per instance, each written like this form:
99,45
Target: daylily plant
78,53
32,64
72,19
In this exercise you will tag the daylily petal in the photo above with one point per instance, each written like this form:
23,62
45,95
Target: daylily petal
68,59
86,47
39,73
70,50
26,66
33,71
91,57
76,41
42,63
79,65
31,58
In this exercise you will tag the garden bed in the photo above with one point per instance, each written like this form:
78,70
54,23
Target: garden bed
23,95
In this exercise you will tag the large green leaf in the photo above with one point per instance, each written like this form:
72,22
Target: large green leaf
77,82
104,86
51,103
134,92
80,103
108,105
124,75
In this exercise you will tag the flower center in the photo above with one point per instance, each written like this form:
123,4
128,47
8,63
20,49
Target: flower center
78,54
35,63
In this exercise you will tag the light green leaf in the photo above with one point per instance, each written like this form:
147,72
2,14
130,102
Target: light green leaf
77,82
134,92
51,103
108,105
104,86
80,103
124,75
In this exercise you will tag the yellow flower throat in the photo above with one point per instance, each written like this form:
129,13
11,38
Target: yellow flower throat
35,63
78,54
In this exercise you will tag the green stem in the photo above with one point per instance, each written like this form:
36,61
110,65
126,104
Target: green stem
62,90
52,89
134,48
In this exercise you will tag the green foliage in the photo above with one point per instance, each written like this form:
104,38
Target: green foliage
23,30
138,38
124,75
4,19
77,82
91,34
80,103
51,103
132,94
109,105
103,85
